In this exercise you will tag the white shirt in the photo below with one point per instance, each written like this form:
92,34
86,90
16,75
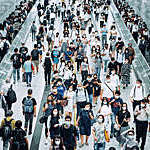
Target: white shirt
105,110
106,91
120,57
67,74
115,80
138,93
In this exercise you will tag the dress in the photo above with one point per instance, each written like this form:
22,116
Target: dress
125,74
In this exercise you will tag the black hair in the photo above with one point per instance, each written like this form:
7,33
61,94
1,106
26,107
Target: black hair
117,92
88,103
28,57
18,124
102,117
29,91
61,142
16,50
68,117
139,81
105,98
112,148
35,45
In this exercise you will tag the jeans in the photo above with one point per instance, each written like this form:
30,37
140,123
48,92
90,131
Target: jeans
105,65
98,71
28,77
33,36
5,144
113,121
99,146
104,40
16,71
28,119
90,98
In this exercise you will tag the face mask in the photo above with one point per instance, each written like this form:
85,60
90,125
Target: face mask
142,105
100,120
108,81
89,79
123,108
67,123
113,72
105,103
87,108
70,89
116,97
57,142
73,77
55,113
54,90
138,85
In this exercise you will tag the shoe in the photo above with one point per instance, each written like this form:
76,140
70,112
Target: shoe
81,145
87,144
30,132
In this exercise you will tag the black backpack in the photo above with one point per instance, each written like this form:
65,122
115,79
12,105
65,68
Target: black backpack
19,142
6,129
11,95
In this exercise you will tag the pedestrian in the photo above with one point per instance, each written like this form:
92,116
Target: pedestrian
23,51
104,32
35,54
47,68
141,112
137,93
57,144
69,134
17,60
122,122
84,69
99,132
125,73
28,69
115,103
19,140
3,102
29,110
7,126
88,85
54,124
84,122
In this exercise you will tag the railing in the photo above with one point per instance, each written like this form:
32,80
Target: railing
140,65
6,64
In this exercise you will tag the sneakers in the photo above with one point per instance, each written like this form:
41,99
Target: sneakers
81,145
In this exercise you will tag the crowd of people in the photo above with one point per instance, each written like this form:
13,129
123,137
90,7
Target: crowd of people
87,67
12,24
135,24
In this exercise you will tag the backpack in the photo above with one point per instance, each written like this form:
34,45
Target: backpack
11,95
28,105
7,129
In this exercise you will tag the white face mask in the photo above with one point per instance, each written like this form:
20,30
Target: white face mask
113,72
57,142
131,137
123,108
87,108
54,90
100,120
55,113
89,79
116,97
138,85
142,105
70,89
108,81
105,103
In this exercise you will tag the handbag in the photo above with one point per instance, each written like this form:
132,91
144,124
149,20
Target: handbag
43,119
